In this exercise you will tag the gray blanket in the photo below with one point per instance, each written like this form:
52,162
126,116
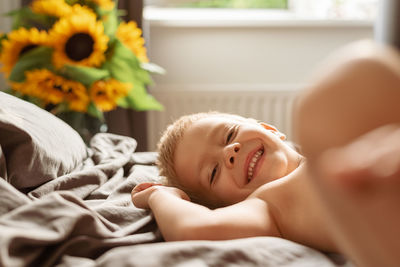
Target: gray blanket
86,218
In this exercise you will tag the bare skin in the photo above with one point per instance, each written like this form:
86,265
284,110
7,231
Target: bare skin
354,151
276,200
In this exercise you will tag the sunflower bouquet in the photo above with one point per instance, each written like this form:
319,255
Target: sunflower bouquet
77,57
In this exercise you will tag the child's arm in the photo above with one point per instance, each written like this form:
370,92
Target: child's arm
180,219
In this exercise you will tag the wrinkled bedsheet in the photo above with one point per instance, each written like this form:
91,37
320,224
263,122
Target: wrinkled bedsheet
86,218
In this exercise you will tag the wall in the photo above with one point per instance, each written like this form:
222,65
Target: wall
247,48
211,53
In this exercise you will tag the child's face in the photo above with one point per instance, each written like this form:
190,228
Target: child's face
226,159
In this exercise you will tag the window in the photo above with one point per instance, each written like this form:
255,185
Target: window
310,9
282,4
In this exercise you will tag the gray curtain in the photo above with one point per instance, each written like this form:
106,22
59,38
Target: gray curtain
121,121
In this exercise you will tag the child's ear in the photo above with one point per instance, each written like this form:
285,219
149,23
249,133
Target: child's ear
273,129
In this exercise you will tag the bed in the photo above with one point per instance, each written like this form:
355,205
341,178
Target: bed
65,203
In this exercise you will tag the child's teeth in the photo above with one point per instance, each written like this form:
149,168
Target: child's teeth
253,163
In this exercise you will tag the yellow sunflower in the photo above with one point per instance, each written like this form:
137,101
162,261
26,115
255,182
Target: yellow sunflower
76,95
105,94
54,89
78,9
79,40
20,87
131,36
104,4
18,42
55,8
58,8
41,84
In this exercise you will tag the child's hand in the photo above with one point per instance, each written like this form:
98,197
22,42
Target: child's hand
142,192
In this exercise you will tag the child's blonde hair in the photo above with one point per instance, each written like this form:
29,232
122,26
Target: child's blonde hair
167,147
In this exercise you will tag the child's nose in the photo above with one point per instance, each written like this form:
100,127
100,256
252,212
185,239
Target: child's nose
231,151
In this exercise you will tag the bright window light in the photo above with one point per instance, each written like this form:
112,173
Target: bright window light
319,9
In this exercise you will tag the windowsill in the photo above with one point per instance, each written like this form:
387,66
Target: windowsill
203,17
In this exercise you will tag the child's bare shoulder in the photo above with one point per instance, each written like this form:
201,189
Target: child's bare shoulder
282,195
277,190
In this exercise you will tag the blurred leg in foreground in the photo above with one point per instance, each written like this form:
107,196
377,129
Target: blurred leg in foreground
348,125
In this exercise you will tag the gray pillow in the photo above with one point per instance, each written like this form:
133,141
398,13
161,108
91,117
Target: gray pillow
35,145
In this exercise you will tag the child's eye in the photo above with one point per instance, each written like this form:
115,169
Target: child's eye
230,134
213,174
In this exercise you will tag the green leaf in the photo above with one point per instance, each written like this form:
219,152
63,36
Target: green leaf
123,102
28,98
139,100
37,58
153,68
13,92
61,108
25,17
124,66
72,2
95,112
142,76
2,37
85,75
110,21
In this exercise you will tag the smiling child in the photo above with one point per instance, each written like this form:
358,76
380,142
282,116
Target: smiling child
345,196
255,182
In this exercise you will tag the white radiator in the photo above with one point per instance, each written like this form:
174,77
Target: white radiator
272,105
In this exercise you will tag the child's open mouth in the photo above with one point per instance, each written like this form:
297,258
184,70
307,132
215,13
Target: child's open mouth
252,163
